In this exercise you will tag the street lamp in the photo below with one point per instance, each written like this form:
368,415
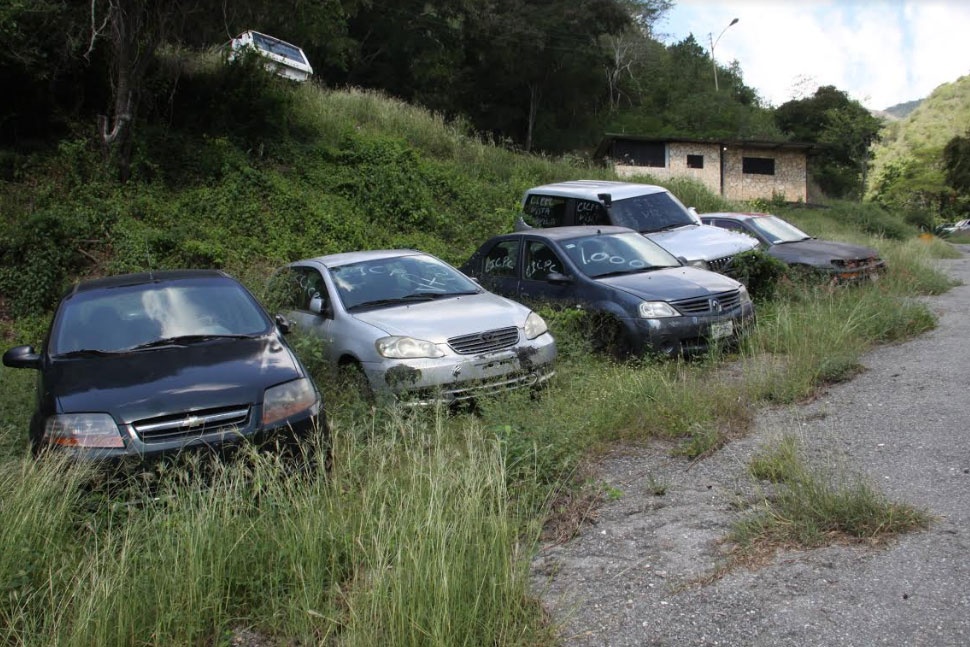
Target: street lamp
714,41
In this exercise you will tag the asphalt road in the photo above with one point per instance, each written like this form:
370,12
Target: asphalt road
904,423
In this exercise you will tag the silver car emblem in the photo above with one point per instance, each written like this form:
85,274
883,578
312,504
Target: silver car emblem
715,305
191,421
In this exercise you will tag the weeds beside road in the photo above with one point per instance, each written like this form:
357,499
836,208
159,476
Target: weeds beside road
424,531
645,573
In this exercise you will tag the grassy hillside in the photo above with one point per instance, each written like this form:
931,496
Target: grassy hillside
423,532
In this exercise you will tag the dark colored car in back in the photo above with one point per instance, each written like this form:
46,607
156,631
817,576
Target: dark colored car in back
142,366
660,304
835,261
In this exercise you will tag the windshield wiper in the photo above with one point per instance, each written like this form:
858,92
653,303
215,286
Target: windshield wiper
634,270
674,225
185,340
90,352
415,297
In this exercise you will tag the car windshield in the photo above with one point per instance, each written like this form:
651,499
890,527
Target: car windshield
398,280
777,231
650,213
605,255
122,318
278,47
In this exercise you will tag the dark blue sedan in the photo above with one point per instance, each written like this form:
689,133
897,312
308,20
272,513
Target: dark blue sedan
659,304
142,366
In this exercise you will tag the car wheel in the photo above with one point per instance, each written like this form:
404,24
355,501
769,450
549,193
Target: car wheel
609,336
353,376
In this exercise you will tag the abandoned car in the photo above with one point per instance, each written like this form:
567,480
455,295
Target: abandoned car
416,327
281,58
143,366
651,210
659,304
833,261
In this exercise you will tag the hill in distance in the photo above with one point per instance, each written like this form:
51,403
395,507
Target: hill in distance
900,110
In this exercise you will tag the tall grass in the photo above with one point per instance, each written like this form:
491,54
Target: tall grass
422,533
412,540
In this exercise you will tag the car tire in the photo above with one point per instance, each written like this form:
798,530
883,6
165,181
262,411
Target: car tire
609,336
353,376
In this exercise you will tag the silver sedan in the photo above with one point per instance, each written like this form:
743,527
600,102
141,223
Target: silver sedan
417,327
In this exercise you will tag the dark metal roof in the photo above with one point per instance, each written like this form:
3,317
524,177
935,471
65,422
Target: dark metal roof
762,144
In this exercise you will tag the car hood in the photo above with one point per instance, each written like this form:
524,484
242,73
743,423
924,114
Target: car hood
820,252
437,321
694,242
151,383
671,284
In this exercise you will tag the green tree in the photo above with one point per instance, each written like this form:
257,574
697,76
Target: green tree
956,164
956,168
845,132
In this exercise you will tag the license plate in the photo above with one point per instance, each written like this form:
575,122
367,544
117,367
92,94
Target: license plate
722,329
497,366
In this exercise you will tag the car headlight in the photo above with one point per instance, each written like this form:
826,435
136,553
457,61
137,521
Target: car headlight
745,297
534,326
396,347
285,400
83,430
656,310
699,263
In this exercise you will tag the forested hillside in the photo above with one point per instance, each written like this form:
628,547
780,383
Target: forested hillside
908,166
129,141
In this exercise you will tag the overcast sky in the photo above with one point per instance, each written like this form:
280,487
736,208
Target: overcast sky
882,52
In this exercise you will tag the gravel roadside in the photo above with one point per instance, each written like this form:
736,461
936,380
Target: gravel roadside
903,423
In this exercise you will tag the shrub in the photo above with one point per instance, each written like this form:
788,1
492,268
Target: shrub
760,272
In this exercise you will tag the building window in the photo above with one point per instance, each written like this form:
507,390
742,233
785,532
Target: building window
640,153
758,166
695,161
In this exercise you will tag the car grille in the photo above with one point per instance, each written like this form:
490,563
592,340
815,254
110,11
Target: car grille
485,342
193,424
720,264
856,263
714,304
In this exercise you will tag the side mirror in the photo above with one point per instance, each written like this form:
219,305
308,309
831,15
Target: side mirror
522,225
319,306
558,278
21,357
283,324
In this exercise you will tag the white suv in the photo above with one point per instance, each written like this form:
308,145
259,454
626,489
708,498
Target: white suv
651,210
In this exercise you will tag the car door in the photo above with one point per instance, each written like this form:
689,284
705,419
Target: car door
540,266
499,270
308,293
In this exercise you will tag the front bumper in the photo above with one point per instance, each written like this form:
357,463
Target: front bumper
453,378
142,454
687,335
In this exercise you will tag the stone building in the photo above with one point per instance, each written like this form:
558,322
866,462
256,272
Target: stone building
734,169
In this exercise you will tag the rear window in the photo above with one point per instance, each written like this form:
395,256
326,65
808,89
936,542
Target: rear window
545,210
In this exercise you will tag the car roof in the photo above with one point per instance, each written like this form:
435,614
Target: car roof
565,233
346,258
140,278
591,189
